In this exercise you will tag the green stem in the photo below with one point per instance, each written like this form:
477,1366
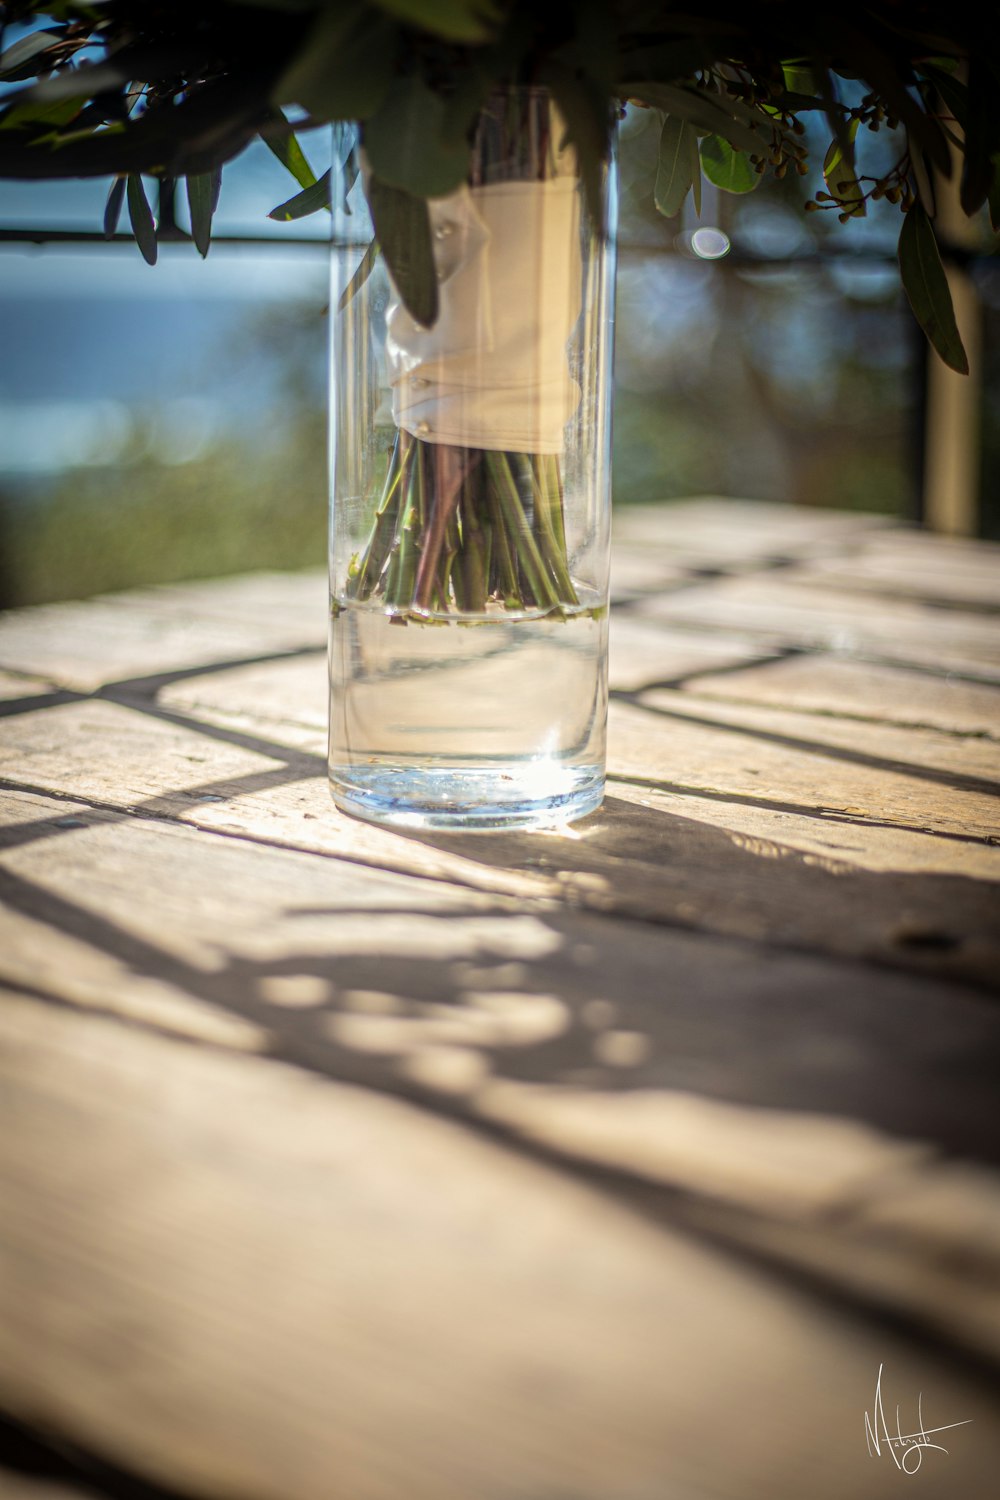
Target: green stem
549,528
449,551
520,532
381,538
551,465
455,526
471,574
504,569
406,549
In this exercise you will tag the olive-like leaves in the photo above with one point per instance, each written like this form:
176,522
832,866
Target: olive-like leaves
926,285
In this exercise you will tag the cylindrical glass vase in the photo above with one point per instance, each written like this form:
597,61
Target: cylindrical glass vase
470,498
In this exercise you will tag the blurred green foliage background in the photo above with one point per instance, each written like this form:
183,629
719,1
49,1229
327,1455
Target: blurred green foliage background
781,372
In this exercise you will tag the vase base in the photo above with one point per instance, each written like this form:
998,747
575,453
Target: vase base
469,799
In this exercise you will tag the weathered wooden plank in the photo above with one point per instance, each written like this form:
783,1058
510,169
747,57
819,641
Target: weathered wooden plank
898,1219
354,971
838,842
281,700
640,569
790,609
237,1279
734,752
248,1279
85,645
711,532
14,685
860,690
535,1023
195,898
107,751
933,756
122,758
255,699
37,956
761,872
641,652
719,847
287,601
916,565
718,867
120,755
40,951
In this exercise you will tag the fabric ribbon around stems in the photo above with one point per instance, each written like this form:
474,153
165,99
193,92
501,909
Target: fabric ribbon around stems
493,372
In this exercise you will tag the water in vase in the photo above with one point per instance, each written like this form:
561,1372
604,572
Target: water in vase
475,722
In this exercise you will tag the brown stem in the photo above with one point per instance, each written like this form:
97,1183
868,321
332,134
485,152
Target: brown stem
449,468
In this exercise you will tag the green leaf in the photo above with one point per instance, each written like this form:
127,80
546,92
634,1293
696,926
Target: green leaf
77,83
278,136
796,103
60,139
921,173
23,114
211,124
141,216
406,145
200,192
309,201
727,168
750,114
953,92
113,207
456,20
926,286
345,67
695,173
840,174
23,58
403,230
365,267
800,77
708,112
886,72
676,167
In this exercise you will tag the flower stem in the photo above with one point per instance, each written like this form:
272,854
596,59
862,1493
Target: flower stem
519,531
449,467
381,539
549,526
457,526
471,573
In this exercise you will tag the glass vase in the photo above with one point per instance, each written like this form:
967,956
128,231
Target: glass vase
470,497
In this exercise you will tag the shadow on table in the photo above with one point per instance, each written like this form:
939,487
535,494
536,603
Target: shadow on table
716,1077
684,959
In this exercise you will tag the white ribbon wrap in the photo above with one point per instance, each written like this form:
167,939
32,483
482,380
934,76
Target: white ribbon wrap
493,372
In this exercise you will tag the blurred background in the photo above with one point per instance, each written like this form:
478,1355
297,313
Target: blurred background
169,422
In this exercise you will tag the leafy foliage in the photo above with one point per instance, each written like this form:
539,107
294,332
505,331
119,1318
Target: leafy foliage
143,87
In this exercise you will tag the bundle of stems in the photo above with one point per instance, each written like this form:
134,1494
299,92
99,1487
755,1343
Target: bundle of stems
457,529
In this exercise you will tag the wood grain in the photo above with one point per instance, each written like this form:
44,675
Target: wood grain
607,1163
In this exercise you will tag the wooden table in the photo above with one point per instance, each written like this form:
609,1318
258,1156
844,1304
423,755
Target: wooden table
608,1164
